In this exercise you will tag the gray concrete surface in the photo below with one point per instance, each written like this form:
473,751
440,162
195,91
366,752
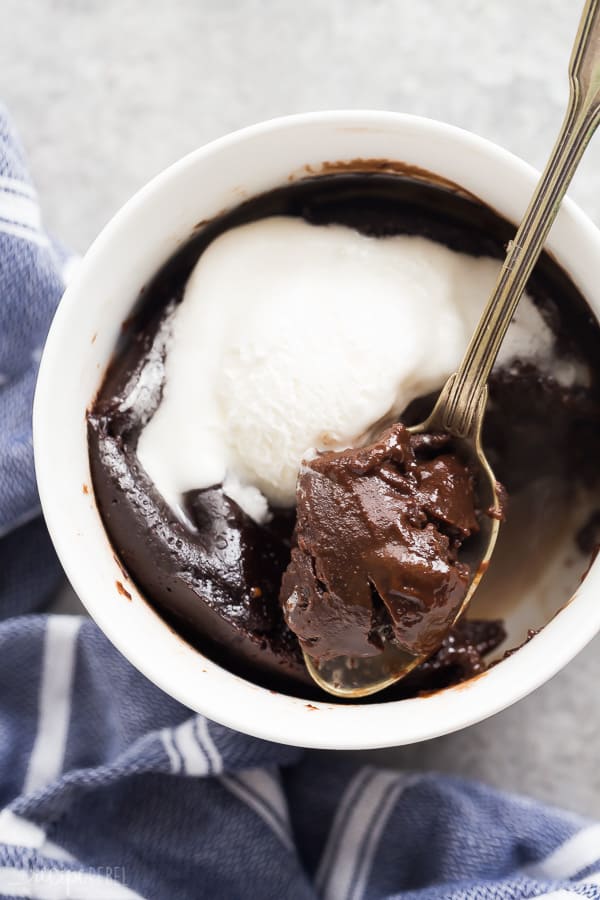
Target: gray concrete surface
106,94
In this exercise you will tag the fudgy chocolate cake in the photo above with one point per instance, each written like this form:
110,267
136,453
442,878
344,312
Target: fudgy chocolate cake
375,555
208,557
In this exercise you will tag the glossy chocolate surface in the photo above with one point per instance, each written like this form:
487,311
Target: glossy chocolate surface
375,556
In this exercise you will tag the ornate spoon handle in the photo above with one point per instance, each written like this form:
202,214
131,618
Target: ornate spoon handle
463,398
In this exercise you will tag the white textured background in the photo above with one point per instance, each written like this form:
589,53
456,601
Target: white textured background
108,92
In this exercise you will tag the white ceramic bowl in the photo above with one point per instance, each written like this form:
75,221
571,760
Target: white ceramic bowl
83,335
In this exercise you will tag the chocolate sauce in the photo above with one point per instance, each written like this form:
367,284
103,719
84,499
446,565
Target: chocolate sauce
378,534
215,575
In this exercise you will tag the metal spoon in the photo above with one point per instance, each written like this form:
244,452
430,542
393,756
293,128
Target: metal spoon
461,405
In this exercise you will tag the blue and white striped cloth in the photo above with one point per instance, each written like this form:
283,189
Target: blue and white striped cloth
110,789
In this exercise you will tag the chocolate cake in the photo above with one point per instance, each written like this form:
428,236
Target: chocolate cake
213,572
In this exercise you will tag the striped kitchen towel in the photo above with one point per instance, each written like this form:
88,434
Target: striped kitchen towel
110,789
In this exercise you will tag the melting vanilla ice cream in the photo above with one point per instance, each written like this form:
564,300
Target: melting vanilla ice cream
293,338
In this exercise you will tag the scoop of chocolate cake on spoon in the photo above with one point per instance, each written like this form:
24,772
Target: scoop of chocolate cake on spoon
394,538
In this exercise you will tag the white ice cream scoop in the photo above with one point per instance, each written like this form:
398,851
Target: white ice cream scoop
293,338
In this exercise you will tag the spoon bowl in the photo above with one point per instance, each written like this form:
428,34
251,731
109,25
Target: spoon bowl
355,677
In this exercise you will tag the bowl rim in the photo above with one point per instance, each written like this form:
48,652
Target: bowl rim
193,679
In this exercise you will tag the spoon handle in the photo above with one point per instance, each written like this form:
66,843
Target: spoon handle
463,398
